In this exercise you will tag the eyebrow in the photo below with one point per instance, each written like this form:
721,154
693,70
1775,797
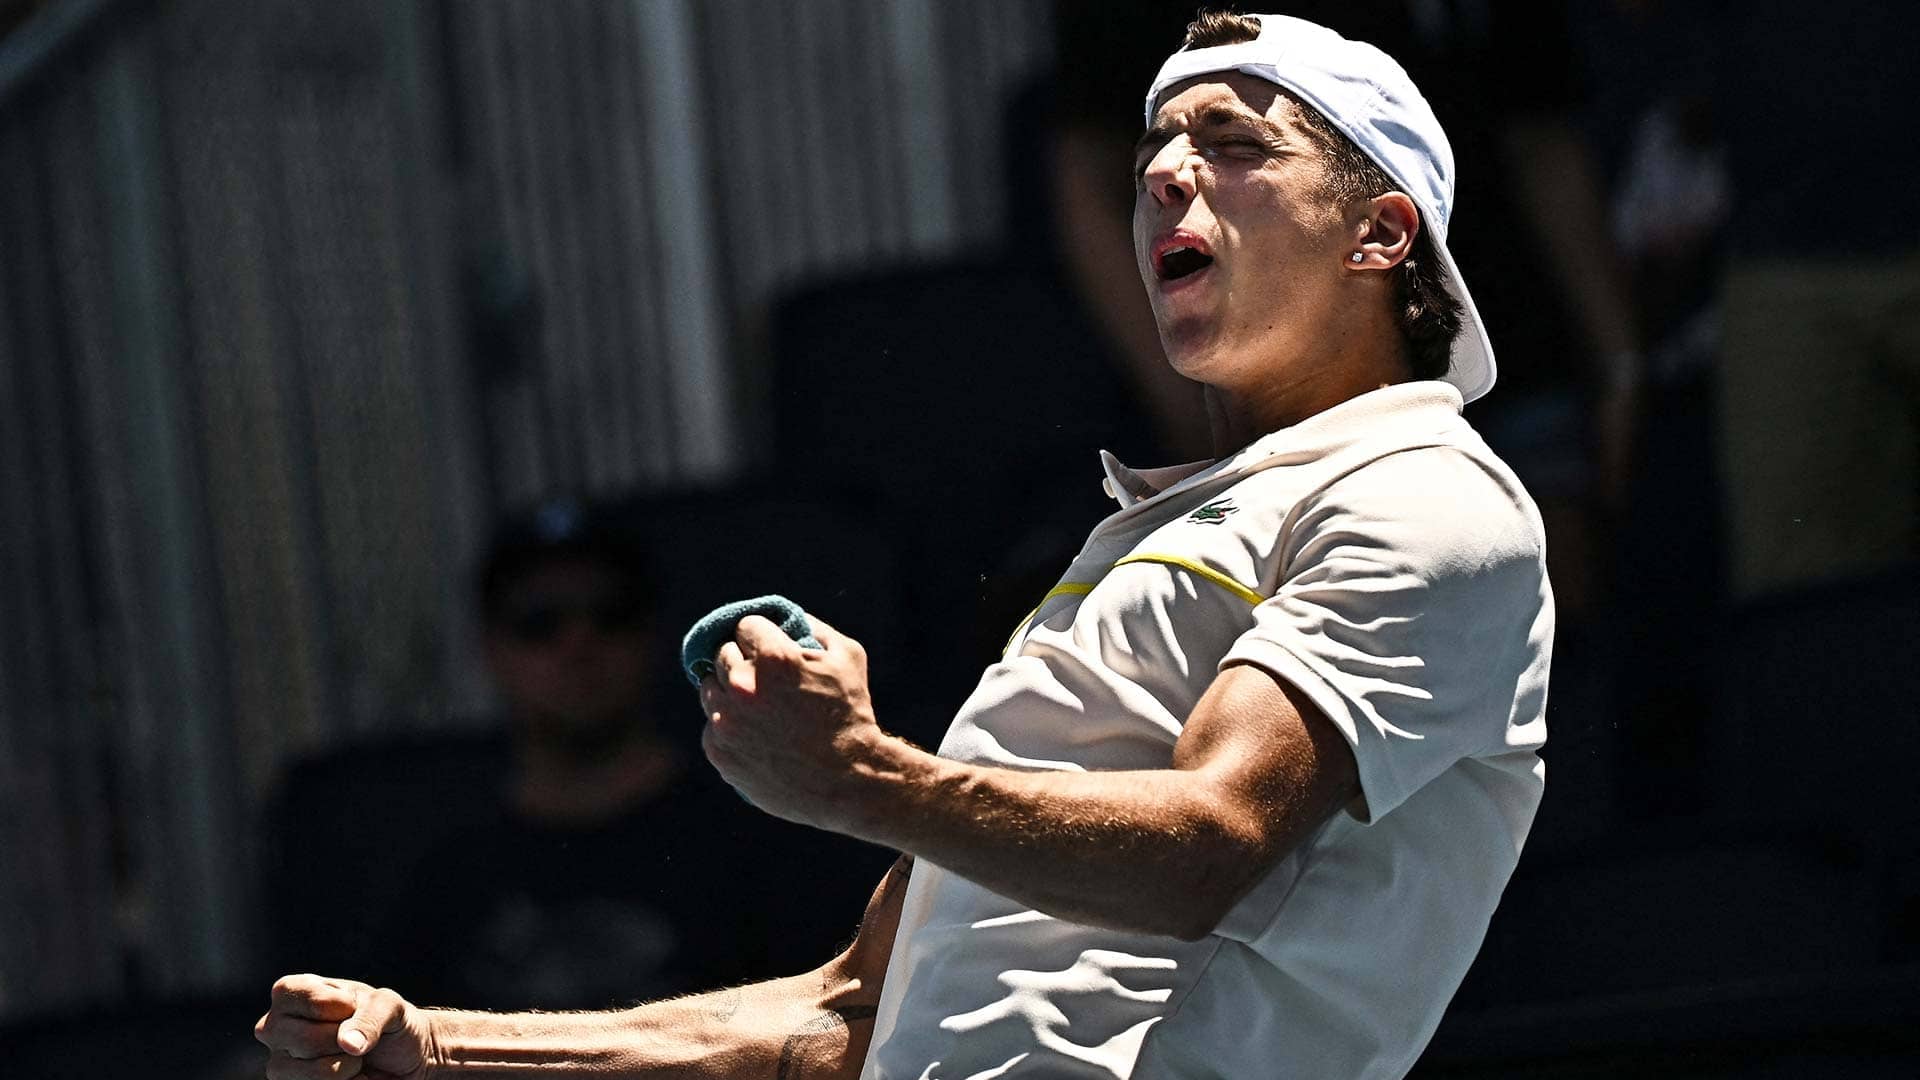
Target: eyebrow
1217,115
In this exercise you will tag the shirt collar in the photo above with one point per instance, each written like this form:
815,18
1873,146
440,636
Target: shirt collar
1318,434
1130,486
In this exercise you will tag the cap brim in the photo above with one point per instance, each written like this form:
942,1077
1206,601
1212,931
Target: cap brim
1472,370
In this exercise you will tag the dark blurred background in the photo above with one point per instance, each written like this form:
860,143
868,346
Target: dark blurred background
301,304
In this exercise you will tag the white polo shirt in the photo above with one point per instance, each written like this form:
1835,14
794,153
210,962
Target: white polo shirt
1379,558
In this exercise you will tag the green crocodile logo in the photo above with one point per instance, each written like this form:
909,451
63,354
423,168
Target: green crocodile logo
1214,512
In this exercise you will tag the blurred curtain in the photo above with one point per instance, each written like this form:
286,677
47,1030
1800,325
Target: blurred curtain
236,458
294,297
642,178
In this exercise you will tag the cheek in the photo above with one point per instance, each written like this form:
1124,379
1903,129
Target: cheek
1141,264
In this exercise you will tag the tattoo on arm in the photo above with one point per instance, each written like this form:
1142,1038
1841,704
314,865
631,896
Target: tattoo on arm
826,1024
728,1004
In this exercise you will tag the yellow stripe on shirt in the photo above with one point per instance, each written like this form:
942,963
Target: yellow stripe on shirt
1065,588
1082,588
1199,570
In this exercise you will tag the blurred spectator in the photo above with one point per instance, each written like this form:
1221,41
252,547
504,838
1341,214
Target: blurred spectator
1820,423
589,857
1671,202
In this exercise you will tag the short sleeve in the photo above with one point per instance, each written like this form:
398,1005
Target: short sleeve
1413,608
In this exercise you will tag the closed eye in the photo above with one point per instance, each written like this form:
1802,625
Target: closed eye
1236,144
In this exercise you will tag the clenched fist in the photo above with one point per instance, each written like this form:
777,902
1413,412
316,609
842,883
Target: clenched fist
792,729
334,1029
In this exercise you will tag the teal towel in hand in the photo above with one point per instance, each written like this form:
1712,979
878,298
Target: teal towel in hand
716,628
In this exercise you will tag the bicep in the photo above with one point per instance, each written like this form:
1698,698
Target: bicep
1273,763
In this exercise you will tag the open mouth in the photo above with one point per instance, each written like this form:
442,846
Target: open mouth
1176,263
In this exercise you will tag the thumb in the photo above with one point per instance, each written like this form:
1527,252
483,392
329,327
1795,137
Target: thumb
356,1040
376,1012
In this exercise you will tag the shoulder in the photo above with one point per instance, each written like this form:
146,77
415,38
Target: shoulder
1453,500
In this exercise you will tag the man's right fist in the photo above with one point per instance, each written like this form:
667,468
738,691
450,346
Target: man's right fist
334,1029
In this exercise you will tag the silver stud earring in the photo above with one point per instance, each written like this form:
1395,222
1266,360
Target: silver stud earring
1357,256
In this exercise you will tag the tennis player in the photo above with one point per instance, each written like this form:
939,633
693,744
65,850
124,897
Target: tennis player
1243,793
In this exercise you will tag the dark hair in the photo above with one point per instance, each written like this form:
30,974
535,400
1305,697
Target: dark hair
1428,315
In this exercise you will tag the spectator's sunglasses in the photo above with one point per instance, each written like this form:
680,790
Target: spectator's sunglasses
541,622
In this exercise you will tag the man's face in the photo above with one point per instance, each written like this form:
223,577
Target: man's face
1234,236
568,650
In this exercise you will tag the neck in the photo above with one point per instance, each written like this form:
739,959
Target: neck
1297,387
1232,425
1237,421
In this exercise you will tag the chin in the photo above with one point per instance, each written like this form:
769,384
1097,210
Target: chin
1194,360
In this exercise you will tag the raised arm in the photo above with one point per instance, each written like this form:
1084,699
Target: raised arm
1167,851
821,1021
1411,628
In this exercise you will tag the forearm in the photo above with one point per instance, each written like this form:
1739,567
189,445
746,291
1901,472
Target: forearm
1257,766
1167,851
744,1032
820,1021
1143,850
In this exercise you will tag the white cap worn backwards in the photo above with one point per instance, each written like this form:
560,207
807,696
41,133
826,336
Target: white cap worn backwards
1368,98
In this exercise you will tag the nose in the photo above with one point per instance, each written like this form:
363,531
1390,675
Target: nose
1169,174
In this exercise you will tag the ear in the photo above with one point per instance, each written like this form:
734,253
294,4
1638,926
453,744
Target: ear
1383,231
